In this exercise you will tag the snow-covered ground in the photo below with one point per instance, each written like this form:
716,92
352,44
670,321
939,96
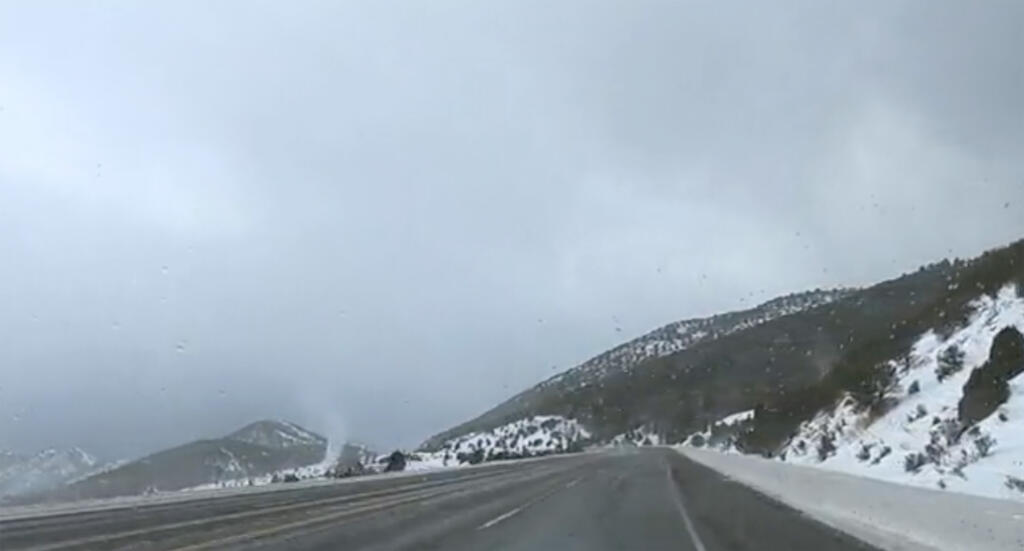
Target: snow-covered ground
538,435
640,436
923,424
890,516
48,469
431,461
722,434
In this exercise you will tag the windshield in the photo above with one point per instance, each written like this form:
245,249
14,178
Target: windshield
511,274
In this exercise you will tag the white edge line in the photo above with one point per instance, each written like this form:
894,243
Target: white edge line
499,518
516,511
678,498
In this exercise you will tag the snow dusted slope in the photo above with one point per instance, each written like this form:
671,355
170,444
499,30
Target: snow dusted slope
254,451
539,435
640,436
920,441
555,395
722,434
277,435
680,335
43,471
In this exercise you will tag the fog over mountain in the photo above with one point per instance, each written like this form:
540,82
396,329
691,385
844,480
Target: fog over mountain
379,219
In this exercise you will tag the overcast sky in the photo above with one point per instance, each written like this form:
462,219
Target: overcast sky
380,218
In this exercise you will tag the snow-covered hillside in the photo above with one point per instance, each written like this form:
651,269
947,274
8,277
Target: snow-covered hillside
639,436
680,335
535,436
920,440
277,435
579,391
722,434
256,450
48,469
539,435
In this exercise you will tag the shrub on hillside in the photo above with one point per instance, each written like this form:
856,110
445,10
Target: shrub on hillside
945,431
1015,483
918,413
826,446
934,450
950,362
984,445
874,388
913,462
988,388
473,458
396,462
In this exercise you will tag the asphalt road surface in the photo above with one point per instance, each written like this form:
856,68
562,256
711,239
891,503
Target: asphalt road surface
643,499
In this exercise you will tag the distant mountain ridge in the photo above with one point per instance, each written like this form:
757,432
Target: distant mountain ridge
49,469
256,450
277,435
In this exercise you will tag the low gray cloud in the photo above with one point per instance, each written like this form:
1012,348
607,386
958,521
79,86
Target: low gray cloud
380,218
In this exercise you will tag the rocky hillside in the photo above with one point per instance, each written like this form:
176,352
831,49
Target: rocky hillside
948,415
662,342
782,370
681,335
532,437
938,426
49,469
257,450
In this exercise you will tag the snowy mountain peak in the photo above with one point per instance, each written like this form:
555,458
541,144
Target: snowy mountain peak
277,435
48,469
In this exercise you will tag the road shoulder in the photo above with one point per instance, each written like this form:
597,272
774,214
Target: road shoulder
886,515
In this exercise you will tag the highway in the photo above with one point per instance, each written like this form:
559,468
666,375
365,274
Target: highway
633,498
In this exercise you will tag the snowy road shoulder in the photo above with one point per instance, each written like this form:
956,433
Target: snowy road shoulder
890,516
